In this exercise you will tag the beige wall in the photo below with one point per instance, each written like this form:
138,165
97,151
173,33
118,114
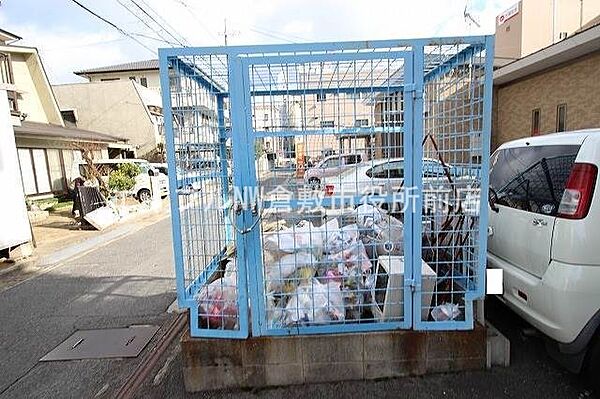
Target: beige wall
151,75
576,84
539,24
35,97
111,107
508,39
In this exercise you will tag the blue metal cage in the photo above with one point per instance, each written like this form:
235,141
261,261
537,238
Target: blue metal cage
329,187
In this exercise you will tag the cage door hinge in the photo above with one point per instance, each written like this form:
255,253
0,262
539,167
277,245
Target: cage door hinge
412,89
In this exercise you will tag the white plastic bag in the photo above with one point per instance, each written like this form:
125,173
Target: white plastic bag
298,238
315,303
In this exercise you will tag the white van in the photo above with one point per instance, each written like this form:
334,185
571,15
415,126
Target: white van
544,232
142,189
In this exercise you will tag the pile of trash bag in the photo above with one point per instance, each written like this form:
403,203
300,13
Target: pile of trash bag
323,274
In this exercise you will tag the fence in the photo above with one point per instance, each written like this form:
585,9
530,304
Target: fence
329,187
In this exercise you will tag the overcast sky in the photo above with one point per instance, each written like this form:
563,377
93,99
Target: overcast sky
70,39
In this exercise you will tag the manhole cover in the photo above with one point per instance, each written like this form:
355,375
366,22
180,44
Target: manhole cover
104,343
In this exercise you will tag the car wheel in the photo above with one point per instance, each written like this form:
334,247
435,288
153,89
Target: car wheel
144,195
314,183
592,366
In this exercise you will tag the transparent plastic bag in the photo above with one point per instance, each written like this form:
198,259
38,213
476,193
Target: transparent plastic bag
354,255
217,303
280,270
342,239
315,303
447,311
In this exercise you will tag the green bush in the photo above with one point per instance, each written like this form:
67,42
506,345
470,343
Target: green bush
129,169
123,179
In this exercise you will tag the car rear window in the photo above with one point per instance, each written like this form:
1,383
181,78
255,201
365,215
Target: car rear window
532,178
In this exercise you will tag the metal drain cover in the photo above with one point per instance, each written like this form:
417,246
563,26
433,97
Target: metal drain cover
104,343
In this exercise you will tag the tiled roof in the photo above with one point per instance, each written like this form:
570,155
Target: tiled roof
58,132
130,66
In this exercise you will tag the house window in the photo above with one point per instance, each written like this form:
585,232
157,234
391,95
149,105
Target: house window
325,124
361,122
561,117
69,117
321,97
6,76
535,122
144,82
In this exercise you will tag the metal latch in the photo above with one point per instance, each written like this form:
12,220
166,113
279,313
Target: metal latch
409,282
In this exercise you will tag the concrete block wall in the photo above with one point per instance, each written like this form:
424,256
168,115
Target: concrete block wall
210,364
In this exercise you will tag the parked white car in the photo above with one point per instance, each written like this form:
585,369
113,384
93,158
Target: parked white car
142,189
544,232
382,176
332,165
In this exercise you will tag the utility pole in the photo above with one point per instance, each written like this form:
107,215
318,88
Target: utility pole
226,33
580,14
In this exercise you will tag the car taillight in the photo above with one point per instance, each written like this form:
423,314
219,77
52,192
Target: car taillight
576,199
329,188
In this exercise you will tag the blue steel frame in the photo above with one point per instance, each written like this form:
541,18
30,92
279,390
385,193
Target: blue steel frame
239,57
256,279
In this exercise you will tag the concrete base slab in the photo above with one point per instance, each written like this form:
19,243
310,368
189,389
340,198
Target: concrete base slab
210,364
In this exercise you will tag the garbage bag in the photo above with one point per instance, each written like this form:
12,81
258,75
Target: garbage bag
315,303
447,311
368,216
278,271
217,303
341,239
353,255
289,240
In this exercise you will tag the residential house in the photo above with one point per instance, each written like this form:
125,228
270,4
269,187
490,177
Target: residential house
553,90
45,146
123,108
146,73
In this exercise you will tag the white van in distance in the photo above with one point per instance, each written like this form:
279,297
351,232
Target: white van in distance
142,189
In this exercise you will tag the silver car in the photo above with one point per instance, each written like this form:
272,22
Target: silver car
330,166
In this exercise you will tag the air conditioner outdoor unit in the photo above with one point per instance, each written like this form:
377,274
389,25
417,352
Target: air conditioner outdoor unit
388,292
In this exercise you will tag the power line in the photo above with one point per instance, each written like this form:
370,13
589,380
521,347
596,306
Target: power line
114,26
156,22
162,38
193,14
168,25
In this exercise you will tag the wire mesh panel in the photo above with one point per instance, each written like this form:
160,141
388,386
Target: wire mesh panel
210,281
331,186
453,182
333,127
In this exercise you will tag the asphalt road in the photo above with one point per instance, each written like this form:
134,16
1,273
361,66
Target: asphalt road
128,281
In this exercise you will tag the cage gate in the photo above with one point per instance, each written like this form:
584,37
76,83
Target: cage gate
329,187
